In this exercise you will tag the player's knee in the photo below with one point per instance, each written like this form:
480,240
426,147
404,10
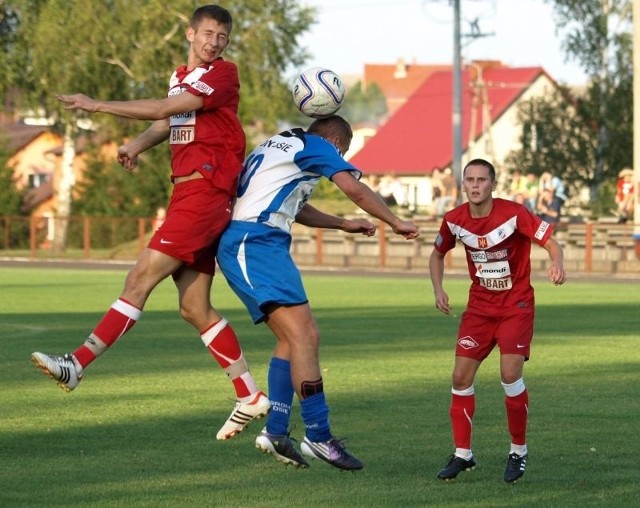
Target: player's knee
189,314
461,381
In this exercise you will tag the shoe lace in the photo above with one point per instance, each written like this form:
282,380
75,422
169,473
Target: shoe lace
289,431
340,443
514,460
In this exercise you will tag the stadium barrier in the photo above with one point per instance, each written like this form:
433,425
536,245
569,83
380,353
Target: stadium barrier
598,248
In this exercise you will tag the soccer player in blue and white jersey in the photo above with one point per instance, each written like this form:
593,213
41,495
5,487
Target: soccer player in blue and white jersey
277,179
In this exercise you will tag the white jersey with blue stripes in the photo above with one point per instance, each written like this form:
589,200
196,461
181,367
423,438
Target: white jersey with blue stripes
279,176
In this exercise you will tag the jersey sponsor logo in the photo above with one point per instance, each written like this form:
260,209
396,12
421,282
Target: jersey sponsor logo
182,119
482,256
495,270
438,240
542,229
478,256
496,284
467,342
181,135
203,87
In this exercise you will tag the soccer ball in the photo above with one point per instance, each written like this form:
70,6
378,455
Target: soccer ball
318,92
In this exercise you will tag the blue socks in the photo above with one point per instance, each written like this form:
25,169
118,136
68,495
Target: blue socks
281,396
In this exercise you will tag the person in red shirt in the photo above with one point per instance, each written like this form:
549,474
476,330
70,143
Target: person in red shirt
199,118
497,236
625,195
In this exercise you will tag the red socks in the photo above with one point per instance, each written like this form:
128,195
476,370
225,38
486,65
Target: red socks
118,320
222,343
461,412
517,411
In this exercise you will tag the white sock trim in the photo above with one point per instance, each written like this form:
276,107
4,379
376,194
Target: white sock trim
208,336
463,453
520,450
127,309
464,393
514,389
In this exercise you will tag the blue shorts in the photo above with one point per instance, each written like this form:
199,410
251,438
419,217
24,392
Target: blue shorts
256,261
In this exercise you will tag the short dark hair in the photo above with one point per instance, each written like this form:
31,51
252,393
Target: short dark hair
333,125
482,162
220,14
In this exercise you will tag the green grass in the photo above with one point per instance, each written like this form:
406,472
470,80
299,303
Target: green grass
140,429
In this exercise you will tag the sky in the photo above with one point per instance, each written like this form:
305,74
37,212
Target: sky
520,33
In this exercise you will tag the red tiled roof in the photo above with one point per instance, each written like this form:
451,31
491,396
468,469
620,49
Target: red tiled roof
399,81
418,138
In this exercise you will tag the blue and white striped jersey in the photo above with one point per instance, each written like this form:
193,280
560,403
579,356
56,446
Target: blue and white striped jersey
279,176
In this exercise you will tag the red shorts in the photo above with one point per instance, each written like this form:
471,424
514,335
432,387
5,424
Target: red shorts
479,333
197,215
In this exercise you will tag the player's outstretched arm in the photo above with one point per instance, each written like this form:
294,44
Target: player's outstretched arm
141,109
373,204
556,272
312,217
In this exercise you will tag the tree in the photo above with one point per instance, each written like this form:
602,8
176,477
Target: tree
106,190
10,197
126,49
598,36
364,104
554,138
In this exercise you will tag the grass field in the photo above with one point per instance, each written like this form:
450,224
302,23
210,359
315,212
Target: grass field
140,429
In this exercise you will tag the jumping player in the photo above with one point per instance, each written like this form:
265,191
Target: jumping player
277,179
497,236
199,118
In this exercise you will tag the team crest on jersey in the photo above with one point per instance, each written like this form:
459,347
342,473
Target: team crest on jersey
467,342
483,243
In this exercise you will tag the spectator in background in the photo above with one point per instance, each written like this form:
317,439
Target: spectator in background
531,194
558,192
437,189
548,208
518,185
625,195
392,191
449,194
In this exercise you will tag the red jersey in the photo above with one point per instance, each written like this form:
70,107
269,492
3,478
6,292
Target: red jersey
498,251
210,140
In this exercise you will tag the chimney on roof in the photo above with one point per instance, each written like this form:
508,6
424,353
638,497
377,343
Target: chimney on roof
401,69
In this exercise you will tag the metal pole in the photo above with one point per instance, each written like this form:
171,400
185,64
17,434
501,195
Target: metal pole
636,117
457,96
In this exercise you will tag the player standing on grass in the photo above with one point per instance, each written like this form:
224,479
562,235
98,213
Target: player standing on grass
277,179
199,118
497,236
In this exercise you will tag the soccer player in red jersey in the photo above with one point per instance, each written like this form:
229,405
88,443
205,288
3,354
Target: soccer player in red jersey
199,117
497,236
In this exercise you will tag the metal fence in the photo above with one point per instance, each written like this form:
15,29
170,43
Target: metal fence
589,247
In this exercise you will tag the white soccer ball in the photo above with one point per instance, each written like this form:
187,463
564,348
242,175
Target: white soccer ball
318,92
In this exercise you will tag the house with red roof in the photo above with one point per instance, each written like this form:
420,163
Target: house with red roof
418,138
398,81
